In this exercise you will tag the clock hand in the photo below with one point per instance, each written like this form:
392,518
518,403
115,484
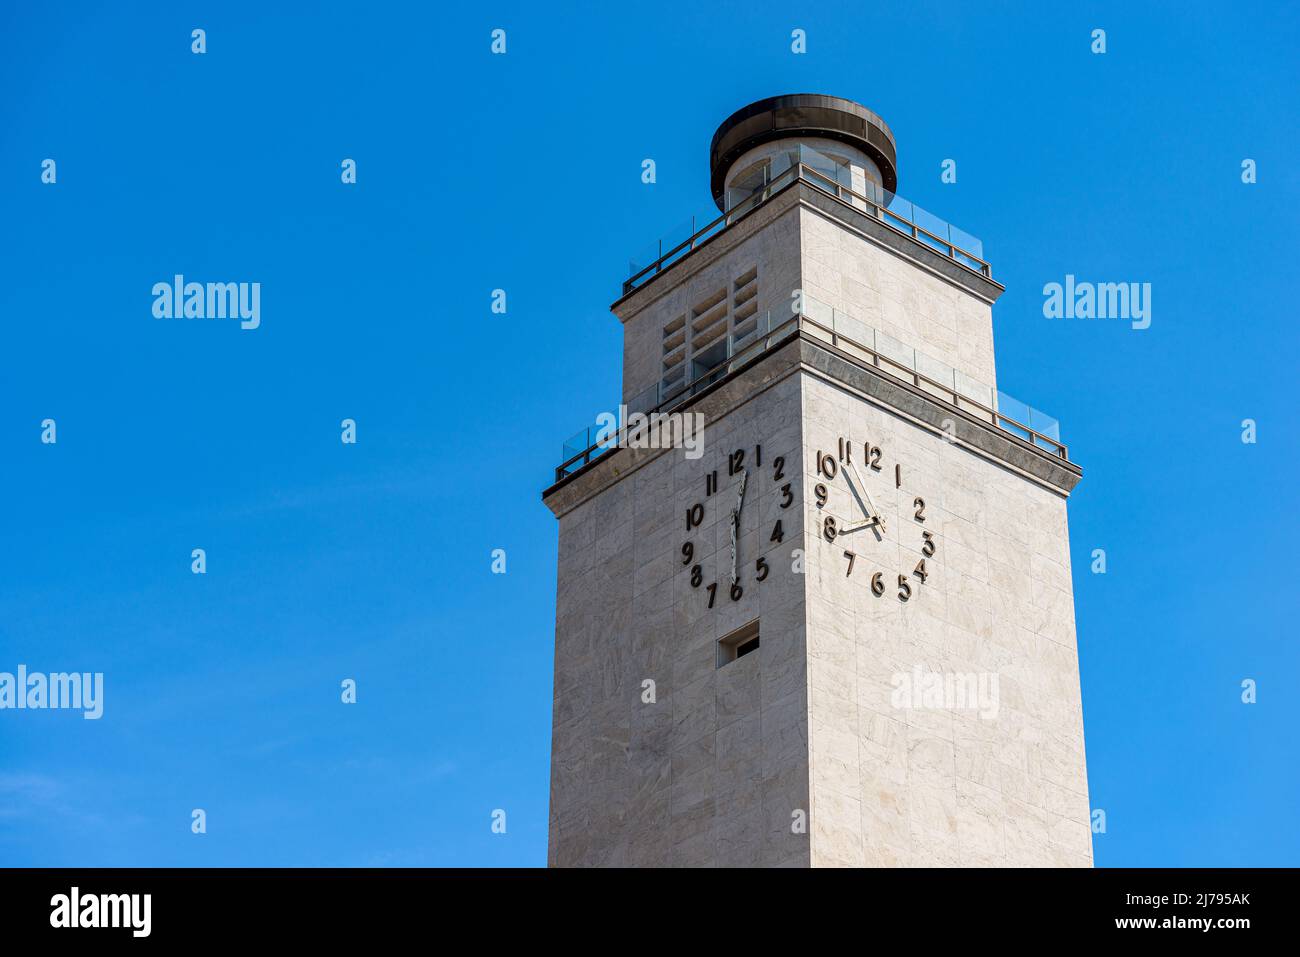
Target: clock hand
856,497
735,524
854,526
879,516
734,516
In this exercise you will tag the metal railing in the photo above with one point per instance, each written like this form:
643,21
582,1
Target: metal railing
846,334
950,392
892,210
592,442
663,259
893,217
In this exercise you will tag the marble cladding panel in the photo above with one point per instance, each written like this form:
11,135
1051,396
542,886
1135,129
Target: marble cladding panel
984,764
716,768
707,766
878,287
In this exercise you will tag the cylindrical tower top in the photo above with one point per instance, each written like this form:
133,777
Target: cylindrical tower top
799,115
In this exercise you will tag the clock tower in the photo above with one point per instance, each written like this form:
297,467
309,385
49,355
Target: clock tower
814,603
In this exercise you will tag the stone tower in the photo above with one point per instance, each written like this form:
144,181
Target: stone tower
814,603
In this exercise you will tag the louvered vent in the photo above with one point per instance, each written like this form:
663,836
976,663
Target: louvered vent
744,306
696,342
674,357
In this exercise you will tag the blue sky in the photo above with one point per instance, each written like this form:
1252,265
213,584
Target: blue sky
522,172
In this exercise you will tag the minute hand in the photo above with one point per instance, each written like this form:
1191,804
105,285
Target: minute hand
735,526
879,515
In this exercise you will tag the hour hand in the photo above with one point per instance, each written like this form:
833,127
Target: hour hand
854,526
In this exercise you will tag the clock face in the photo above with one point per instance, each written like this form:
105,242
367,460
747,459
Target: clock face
731,493
859,469
727,493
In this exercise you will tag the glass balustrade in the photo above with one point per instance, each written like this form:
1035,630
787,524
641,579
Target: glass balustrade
850,335
828,173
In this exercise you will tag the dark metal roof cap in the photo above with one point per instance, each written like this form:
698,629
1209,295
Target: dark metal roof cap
799,114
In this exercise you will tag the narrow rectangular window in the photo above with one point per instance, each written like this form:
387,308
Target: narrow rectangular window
739,643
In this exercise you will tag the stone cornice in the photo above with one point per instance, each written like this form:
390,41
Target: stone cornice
803,352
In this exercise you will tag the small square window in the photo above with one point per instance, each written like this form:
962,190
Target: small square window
739,643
